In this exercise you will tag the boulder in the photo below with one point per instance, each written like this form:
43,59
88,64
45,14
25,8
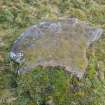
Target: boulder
60,43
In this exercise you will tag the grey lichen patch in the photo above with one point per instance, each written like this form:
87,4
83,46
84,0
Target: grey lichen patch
56,43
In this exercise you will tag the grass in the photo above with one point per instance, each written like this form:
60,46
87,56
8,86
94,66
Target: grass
15,17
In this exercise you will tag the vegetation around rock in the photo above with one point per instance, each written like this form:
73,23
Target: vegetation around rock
40,87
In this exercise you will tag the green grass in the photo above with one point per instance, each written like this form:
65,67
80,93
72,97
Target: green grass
15,17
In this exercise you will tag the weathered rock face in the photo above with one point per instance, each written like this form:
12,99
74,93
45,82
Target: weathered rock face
55,43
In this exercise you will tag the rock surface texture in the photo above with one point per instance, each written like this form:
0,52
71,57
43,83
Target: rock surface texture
55,43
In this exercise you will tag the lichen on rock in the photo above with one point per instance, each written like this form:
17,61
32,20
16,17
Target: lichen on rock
56,43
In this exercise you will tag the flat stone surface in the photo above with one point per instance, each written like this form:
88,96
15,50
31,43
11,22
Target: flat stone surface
55,43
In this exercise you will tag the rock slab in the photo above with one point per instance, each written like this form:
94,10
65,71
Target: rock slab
55,43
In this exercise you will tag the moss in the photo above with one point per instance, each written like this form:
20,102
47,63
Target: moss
43,84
